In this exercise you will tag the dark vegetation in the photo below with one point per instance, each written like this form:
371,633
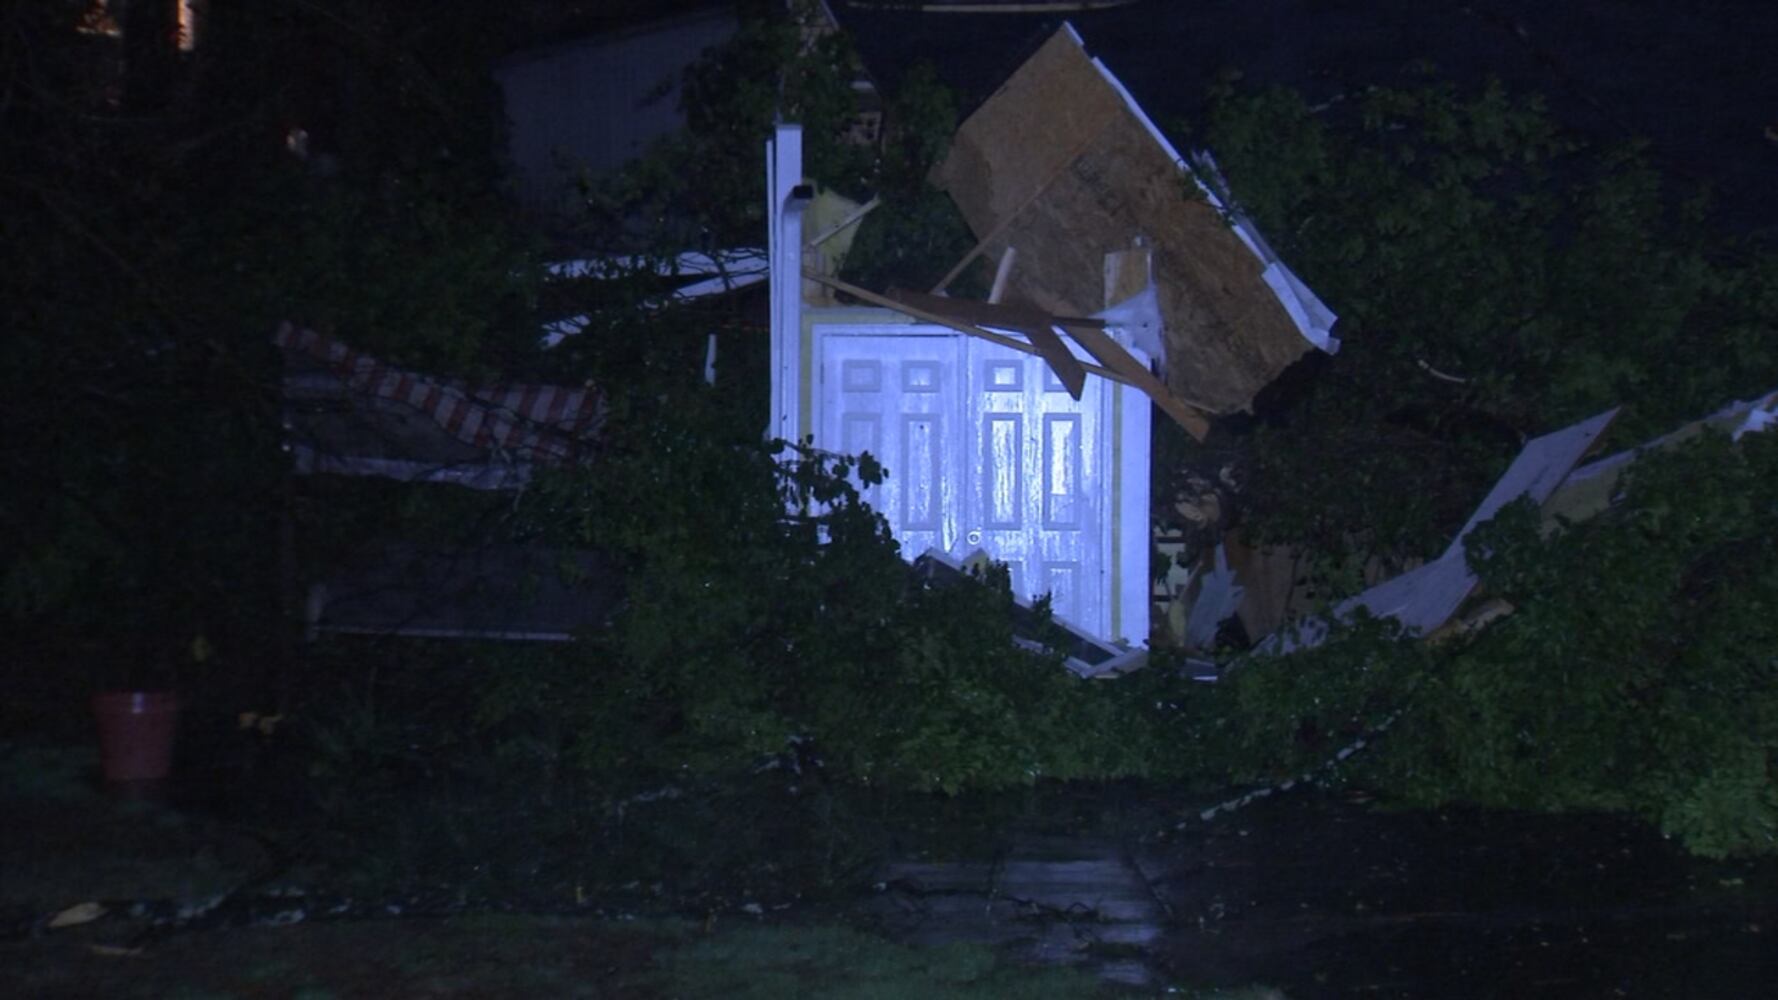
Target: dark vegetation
775,688
1466,235
1496,279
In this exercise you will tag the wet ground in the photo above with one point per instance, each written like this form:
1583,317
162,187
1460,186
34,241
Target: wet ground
1312,894
1324,896
1065,901
1329,898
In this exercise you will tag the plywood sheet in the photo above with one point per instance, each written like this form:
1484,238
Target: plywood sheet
1269,576
1127,273
1056,165
1026,132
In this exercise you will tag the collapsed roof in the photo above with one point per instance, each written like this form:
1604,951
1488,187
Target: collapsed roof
350,414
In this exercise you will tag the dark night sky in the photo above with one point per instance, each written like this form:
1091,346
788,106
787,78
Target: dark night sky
1695,78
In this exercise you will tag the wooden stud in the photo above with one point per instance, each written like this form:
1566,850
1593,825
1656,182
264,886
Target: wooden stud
1116,363
1001,273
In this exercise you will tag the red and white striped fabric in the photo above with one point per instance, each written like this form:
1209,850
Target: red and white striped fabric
540,422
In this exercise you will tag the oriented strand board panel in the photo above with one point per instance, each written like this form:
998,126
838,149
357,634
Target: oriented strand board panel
1039,120
1126,274
1056,164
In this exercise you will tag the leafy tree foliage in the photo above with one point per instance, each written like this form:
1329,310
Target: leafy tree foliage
1495,279
704,187
1637,673
164,213
917,233
765,602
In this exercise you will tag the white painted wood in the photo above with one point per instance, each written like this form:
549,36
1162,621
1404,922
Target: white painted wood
784,171
984,447
985,450
895,396
1131,534
1036,487
1002,274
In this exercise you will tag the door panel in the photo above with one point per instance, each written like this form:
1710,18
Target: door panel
919,464
983,448
895,396
1034,502
1003,470
1061,471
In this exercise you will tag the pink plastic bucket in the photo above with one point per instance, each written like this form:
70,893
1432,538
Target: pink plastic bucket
136,730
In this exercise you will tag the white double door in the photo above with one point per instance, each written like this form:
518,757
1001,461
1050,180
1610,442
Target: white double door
984,449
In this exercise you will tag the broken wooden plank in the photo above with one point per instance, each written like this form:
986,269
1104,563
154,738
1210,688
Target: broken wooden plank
1061,360
866,295
1037,326
1112,355
990,313
1001,273
1132,374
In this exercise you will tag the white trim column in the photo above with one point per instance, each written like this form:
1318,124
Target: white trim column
784,215
1134,415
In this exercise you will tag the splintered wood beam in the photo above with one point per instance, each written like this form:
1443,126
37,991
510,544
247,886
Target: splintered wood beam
990,313
1131,372
959,324
1090,333
1038,327
937,319
1112,355
1061,360
1001,274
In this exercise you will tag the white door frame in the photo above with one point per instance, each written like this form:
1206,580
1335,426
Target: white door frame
1125,425
1120,455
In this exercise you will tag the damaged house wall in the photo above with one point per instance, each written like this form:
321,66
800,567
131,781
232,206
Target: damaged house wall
1090,212
985,445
